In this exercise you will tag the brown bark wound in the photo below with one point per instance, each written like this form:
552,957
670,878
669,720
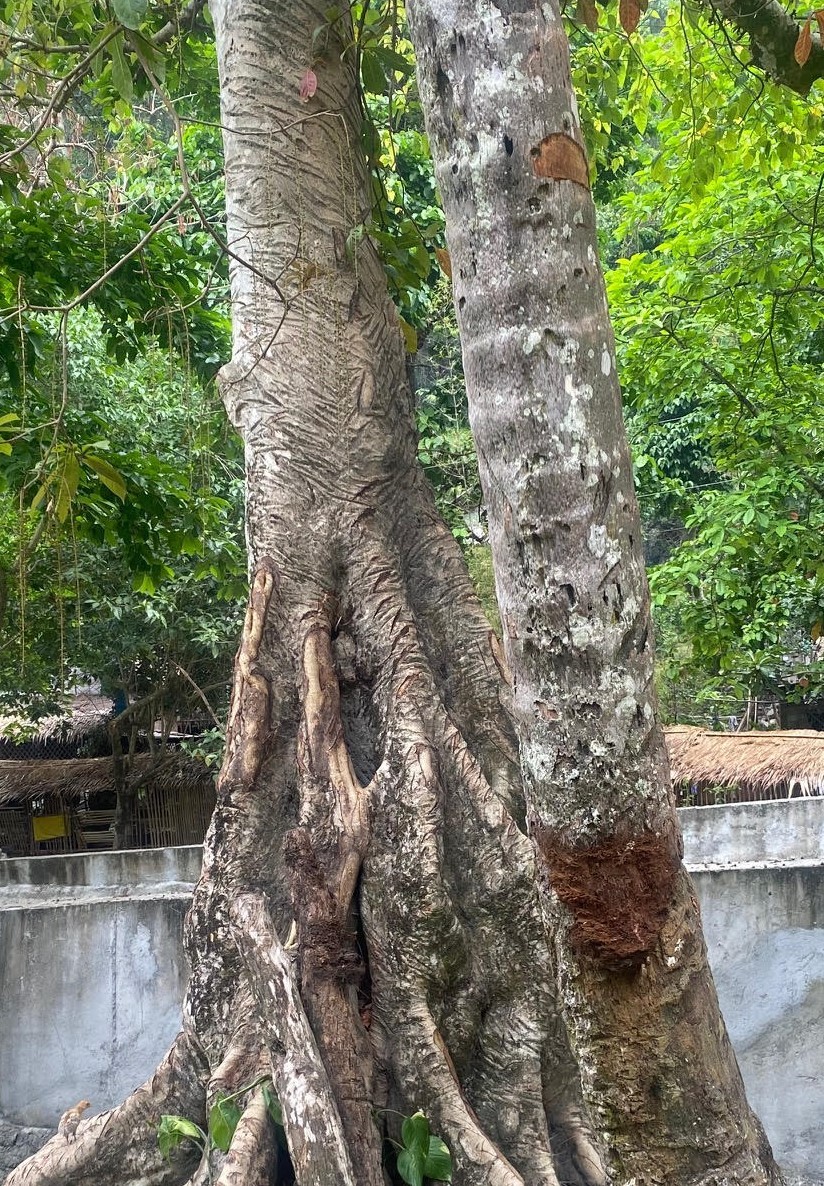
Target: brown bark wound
618,891
560,158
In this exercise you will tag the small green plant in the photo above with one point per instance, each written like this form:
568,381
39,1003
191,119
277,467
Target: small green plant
174,1130
421,1155
224,1116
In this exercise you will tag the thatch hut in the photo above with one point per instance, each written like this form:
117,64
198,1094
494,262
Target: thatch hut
68,805
709,768
79,727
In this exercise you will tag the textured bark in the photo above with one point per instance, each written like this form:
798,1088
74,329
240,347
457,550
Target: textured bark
366,927
545,409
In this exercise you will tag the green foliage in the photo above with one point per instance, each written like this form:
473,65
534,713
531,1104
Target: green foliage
718,318
479,562
224,1117
174,1130
120,486
422,1155
445,445
121,550
272,1104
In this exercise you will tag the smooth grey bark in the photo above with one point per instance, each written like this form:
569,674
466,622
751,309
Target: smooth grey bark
545,409
366,928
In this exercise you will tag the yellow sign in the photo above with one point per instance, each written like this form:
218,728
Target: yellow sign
49,827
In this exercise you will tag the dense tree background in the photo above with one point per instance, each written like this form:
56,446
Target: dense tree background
120,484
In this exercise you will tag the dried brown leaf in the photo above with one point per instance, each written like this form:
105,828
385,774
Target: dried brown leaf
629,14
819,16
588,14
804,44
445,260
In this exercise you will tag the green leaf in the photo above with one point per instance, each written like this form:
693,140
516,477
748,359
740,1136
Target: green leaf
150,56
223,1120
412,1157
390,59
68,478
374,79
121,72
438,1165
272,1104
130,12
108,475
410,336
144,584
174,1129
410,1166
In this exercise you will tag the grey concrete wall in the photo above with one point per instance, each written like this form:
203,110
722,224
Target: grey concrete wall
759,872
783,831
92,975
129,871
92,972
765,934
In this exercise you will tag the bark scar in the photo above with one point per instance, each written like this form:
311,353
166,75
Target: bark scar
618,890
248,725
560,158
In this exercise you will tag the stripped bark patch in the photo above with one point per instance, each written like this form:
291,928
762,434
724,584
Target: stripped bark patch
560,157
618,891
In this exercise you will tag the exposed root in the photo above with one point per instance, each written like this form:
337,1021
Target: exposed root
121,1145
436,940
313,1125
574,1147
426,1072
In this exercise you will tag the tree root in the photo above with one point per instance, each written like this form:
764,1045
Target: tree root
311,1118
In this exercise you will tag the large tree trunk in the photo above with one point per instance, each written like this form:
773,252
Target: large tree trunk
545,408
366,928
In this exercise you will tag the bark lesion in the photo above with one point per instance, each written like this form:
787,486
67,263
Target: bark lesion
618,890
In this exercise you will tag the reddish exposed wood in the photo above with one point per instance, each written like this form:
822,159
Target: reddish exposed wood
560,158
618,891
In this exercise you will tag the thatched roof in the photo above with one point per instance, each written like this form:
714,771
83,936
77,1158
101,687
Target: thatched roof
755,759
73,777
85,712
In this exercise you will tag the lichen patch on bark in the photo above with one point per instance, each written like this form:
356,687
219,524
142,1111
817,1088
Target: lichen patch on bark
561,158
618,891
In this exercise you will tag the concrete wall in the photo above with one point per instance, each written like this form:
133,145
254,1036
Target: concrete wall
92,973
780,832
759,872
765,934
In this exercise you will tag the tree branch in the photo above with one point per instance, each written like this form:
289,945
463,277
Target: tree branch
773,34
184,23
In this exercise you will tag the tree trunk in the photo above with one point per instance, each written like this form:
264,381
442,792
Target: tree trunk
545,409
366,928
